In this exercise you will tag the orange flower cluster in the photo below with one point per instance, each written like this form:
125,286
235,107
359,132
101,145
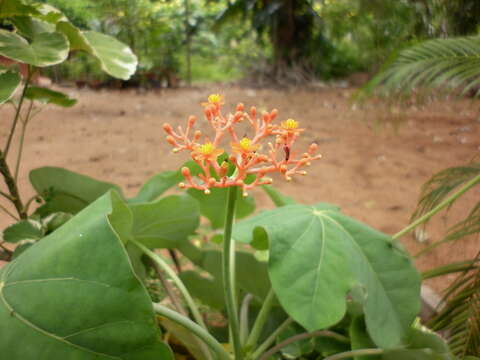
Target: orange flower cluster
246,155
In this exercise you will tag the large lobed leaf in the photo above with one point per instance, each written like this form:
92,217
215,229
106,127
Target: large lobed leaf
66,191
165,223
74,294
318,255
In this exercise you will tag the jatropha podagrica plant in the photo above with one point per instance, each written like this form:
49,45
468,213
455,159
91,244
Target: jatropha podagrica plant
248,154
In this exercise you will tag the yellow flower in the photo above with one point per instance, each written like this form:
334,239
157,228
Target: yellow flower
207,151
289,125
245,146
215,100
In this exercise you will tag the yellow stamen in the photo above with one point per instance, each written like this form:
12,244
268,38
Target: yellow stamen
214,98
245,144
206,149
290,124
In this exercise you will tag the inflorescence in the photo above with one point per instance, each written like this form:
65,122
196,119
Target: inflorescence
246,153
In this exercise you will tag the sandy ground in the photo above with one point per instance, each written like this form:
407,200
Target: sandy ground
373,172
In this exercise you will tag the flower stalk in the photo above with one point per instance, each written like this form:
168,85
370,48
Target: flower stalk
228,268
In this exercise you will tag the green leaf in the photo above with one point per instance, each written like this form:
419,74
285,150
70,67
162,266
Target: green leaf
156,186
196,348
10,8
45,49
212,206
298,348
74,294
208,290
55,220
66,191
47,96
165,223
360,339
251,274
24,230
422,345
277,197
28,26
116,58
318,254
10,81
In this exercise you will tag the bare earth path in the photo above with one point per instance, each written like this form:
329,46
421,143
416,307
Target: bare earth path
373,174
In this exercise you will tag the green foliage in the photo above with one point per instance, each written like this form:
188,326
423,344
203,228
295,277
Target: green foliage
447,64
157,223
47,96
66,301
10,81
66,191
317,255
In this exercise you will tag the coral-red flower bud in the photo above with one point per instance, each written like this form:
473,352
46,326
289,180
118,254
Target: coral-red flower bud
185,171
171,140
168,128
191,120
240,107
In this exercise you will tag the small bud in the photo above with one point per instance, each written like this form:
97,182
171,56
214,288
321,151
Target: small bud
283,168
181,185
211,181
171,140
308,163
245,194
175,150
302,172
240,107
313,148
185,171
168,128
253,112
288,178
273,114
266,116
268,180
197,135
191,120
206,191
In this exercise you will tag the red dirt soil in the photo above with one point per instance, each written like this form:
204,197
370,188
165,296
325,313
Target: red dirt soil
372,172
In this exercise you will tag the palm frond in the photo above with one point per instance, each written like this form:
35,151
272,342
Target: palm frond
435,190
449,64
459,320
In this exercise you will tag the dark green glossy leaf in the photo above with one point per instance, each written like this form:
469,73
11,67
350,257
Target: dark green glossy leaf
45,49
212,206
24,230
9,83
47,96
66,191
74,295
317,255
165,223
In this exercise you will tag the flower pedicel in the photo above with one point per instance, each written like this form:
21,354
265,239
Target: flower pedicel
246,155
